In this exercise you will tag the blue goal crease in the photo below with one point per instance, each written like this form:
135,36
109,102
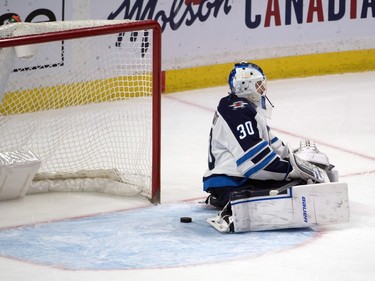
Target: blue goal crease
151,237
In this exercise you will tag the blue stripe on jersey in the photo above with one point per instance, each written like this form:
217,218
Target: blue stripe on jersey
252,152
262,164
222,180
275,139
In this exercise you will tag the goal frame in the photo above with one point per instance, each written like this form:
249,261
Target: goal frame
156,76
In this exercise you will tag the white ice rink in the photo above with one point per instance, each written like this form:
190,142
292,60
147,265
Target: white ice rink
336,111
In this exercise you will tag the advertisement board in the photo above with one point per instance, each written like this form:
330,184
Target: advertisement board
207,32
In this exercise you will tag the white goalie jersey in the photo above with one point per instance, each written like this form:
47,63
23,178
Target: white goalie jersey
242,147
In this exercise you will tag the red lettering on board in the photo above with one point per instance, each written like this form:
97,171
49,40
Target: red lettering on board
193,2
315,8
353,9
272,11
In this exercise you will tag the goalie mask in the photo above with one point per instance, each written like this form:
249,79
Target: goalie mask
247,80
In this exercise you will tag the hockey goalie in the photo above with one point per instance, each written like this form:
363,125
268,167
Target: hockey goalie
256,181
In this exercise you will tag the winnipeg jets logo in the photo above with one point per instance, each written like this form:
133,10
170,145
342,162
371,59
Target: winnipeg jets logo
238,104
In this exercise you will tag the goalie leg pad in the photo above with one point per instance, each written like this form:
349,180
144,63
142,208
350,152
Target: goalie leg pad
302,206
263,213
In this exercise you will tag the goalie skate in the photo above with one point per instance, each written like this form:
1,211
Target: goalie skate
219,224
223,222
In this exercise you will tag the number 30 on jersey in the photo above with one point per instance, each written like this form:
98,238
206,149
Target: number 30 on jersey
245,130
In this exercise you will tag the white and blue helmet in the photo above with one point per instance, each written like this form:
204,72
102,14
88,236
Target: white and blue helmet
247,80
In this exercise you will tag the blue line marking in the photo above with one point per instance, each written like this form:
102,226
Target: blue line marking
151,237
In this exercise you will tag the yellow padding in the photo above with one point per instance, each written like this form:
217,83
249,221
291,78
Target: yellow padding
81,93
274,68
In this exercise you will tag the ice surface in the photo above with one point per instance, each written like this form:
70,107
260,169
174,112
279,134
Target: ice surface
335,111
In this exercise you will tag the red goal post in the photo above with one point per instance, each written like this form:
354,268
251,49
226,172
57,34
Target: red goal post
112,63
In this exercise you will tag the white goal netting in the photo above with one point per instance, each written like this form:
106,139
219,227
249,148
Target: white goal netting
82,105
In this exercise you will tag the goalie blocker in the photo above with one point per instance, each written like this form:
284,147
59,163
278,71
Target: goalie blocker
301,206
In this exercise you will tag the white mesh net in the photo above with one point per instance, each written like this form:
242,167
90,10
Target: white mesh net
83,106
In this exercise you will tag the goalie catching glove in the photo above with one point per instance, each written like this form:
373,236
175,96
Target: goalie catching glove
310,164
305,170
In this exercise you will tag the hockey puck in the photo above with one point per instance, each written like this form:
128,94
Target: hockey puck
186,219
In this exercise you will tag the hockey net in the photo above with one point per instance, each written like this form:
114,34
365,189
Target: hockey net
84,97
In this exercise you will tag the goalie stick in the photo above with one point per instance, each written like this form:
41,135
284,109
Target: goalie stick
295,182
